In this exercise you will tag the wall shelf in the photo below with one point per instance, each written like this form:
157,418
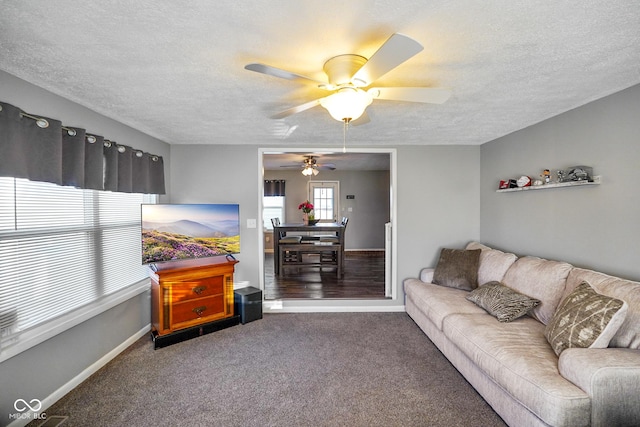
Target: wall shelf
596,181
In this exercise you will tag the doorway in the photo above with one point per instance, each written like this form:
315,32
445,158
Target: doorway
360,186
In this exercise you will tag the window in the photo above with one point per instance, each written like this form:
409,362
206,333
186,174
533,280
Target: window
324,197
62,248
273,207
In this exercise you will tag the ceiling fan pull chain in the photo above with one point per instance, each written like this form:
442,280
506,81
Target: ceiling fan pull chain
344,134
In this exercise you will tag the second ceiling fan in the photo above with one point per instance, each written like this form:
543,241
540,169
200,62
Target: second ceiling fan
310,166
349,78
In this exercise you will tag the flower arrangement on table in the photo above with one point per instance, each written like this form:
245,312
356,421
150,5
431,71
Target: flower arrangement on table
307,209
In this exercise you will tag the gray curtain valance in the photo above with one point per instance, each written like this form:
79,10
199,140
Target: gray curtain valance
274,187
43,149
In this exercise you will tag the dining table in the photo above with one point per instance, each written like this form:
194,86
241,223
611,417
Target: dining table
308,231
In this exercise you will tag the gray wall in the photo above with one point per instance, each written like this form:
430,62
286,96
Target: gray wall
595,227
438,203
41,370
370,209
222,174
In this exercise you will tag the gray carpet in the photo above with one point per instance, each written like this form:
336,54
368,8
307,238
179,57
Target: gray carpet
329,369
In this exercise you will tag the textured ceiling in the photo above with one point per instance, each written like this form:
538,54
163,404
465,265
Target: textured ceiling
174,69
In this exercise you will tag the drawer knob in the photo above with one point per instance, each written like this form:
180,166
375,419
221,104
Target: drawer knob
199,310
199,289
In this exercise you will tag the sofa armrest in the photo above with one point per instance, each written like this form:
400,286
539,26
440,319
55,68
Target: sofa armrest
611,377
426,274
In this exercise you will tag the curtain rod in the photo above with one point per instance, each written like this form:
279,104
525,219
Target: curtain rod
44,123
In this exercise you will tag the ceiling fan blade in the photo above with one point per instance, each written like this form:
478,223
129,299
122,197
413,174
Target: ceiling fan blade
327,166
396,50
283,74
297,109
362,120
411,94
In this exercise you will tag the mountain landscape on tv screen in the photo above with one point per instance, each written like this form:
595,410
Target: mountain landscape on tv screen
196,229
187,239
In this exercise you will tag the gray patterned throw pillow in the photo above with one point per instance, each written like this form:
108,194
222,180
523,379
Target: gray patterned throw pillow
585,319
502,302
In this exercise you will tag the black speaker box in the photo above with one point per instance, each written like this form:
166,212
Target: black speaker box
248,304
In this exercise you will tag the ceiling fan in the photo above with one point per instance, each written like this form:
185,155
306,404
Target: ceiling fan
310,166
350,77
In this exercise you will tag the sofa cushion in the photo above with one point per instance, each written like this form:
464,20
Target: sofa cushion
457,268
517,356
438,302
541,279
502,302
628,336
585,319
493,263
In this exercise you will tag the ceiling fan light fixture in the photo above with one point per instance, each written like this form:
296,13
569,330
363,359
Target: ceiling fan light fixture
309,170
347,104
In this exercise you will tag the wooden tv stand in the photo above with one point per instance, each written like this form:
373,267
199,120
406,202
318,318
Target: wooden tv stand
192,300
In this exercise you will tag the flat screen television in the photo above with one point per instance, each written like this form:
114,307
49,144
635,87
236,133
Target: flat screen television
173,232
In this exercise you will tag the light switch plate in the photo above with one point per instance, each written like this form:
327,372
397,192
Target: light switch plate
251,223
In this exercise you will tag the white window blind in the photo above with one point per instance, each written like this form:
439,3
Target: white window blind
62,248
273,208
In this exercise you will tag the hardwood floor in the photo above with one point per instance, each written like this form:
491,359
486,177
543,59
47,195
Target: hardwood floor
363,279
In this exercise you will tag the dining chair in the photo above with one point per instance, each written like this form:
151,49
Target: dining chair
289,256
332,238
331,256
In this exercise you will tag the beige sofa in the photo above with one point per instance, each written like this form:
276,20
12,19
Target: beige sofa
513,366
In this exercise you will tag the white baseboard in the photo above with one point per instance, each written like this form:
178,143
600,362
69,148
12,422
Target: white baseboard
279,306
82,376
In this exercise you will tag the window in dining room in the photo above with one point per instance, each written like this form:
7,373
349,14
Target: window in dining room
324,197
273,208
